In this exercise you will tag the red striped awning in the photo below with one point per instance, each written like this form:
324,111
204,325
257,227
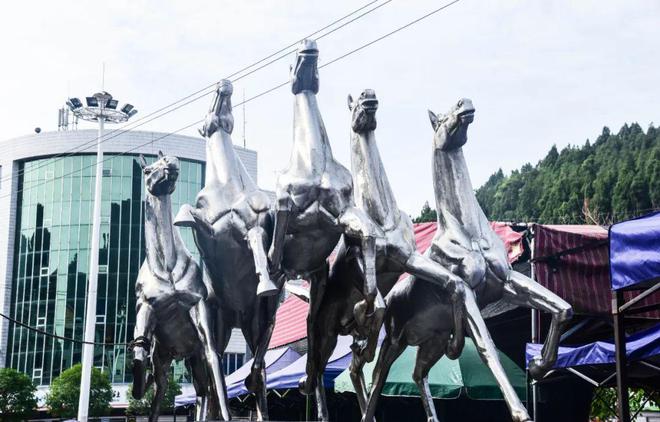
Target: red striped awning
291,320
573,261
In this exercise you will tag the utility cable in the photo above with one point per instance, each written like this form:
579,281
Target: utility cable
134,124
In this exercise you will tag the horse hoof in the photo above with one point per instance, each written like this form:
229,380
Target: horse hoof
305,386
537,368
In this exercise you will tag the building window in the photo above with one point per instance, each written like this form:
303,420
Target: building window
100,319
41,322
232,361
36,375
107,172
44,271
103,269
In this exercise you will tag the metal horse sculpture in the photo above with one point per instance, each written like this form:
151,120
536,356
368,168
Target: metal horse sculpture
394,256
171,296
465,243
232,221
315,208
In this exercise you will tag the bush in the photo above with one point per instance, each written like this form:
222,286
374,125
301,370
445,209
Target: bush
65,393
143,406
17,398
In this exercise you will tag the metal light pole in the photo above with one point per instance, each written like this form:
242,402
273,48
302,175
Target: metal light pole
100,108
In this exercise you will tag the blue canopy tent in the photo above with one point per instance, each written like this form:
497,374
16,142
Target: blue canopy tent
235,382
634,265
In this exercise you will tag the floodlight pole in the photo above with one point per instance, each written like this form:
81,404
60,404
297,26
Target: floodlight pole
92,286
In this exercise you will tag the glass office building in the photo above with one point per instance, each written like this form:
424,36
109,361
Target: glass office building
49,212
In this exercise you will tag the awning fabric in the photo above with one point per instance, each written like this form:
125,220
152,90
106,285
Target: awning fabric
635,251
573,262
235,382
641,345
290,325
288,377
448,379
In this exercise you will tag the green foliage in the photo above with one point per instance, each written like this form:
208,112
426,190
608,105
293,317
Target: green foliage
615,178
427,215
65,393
17,398
603,406
142,407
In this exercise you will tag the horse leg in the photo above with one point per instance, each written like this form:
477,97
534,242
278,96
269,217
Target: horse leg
259,334
317,281
524,291
357,376
145,323
488,354
356,224
428,354
196,365
389,351
325,343
161,362
429,270
283,208
256,238
203,314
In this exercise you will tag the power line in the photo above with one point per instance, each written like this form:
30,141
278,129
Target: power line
134,124
58,337
268,91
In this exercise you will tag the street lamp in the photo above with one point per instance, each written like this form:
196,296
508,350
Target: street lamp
101,108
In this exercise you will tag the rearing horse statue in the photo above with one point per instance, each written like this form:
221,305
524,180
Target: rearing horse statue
465,243
232,222
394,256
315,208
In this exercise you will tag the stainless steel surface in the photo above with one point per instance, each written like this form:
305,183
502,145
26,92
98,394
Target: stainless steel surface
395,254
170,297
314,208
465,243
232,223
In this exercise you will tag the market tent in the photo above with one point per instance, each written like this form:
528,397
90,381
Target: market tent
641,345
635,252
235,382
448,379
290,323
288,377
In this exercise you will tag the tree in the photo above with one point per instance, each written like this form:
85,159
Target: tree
428,214
65,392
142,407
17,398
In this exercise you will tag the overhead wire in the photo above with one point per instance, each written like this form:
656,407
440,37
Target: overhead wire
341,57
134,124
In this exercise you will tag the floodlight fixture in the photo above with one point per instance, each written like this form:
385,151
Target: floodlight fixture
101,106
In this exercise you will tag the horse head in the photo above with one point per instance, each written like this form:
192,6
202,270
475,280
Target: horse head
160,177
364,111
451,128
305,74
220,115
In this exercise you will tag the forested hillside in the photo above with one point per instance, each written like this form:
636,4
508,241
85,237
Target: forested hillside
615,178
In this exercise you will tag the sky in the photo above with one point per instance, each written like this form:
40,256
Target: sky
538,72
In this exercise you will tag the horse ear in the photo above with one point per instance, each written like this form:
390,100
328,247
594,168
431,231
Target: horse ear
160,154
142,161
434,119
350,102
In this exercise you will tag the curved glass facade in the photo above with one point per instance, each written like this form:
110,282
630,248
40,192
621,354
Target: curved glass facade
51,259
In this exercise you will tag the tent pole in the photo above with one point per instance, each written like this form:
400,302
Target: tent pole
623,407
535,329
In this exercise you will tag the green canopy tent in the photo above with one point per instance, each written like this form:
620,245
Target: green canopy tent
448,379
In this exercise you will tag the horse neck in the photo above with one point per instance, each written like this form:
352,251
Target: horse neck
223,167
371,189
311,148
161,237
454,195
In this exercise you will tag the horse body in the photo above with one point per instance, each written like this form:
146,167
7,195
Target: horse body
232,222
170,295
